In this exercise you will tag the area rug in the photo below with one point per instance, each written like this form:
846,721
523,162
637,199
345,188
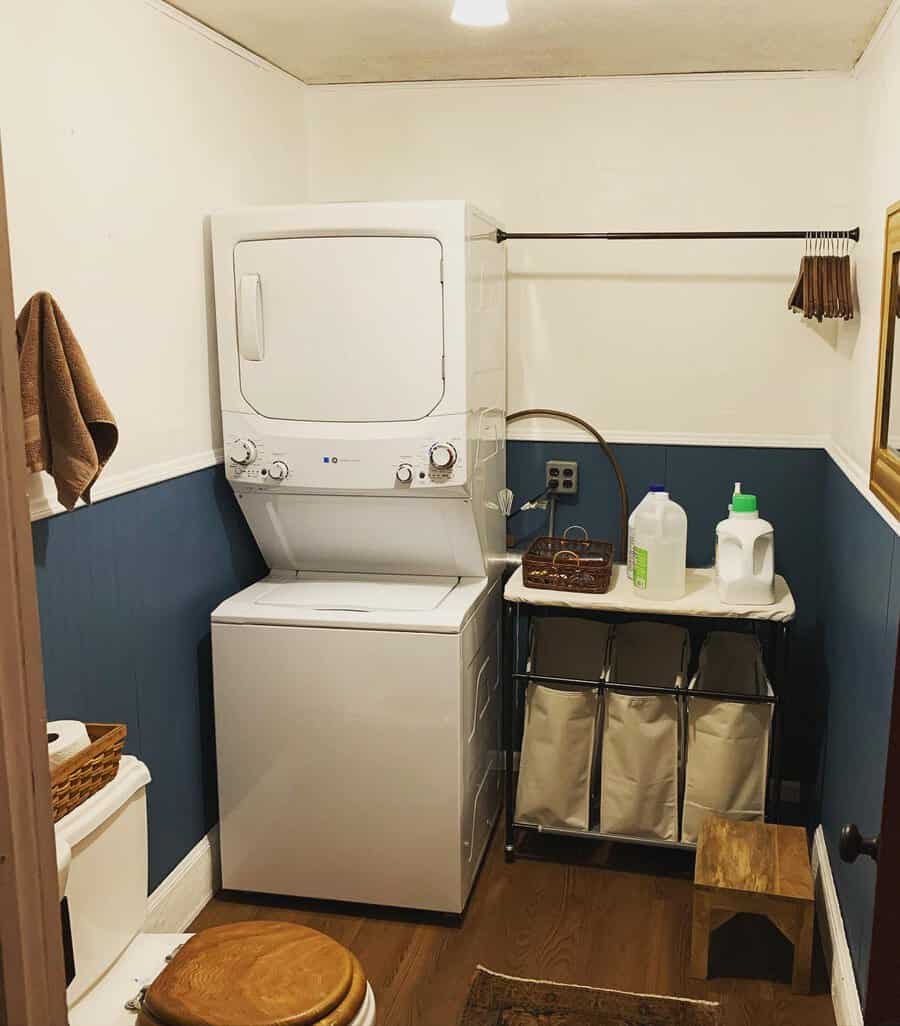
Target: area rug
497,1000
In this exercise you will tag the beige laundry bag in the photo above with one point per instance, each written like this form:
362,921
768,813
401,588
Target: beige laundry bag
727,742
559,743
641,744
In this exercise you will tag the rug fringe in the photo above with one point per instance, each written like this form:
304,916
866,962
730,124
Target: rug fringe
608,990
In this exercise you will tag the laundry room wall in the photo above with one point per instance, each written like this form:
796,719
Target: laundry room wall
876,186
683,354
860,585
652,342
123,125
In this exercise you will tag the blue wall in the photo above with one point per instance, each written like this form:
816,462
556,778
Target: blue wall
125,591
860,606
789,483
126,588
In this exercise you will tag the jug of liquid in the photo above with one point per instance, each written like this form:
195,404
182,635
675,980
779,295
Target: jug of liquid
660,548
745,555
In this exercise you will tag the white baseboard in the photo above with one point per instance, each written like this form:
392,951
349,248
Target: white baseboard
844,992
186,891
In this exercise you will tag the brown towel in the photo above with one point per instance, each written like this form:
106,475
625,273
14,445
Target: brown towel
69,430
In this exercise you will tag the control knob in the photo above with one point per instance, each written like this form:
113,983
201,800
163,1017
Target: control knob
404,473
278,471
442,456
242,452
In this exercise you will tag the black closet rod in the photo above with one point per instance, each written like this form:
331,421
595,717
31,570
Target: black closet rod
851,233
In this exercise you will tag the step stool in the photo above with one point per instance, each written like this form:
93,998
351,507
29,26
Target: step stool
757,868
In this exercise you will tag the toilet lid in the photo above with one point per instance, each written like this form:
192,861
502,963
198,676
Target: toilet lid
258,974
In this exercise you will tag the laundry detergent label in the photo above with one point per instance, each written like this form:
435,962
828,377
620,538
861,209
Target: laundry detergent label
640,568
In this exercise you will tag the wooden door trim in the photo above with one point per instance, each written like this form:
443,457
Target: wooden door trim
883,990
33,977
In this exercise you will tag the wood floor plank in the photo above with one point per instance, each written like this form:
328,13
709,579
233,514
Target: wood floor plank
623,924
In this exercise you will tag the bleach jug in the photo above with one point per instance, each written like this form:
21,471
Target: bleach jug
745,555
660,548
653,489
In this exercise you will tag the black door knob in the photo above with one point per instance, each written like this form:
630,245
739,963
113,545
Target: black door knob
853,844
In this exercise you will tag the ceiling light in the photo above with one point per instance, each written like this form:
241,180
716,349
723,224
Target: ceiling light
480,13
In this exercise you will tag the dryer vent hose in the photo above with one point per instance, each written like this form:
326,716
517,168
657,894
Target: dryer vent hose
601,441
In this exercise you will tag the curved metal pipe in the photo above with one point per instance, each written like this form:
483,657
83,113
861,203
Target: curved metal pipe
601,441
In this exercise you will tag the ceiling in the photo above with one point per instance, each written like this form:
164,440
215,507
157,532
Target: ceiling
328,41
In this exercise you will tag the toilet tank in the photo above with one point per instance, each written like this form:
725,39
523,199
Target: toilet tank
107,879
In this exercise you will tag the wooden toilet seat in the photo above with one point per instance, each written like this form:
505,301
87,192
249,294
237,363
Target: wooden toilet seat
257,974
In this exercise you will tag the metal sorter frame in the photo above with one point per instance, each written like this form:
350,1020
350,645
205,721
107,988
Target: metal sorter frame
775,641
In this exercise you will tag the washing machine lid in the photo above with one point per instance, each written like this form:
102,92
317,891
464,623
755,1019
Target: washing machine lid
363,593
368,601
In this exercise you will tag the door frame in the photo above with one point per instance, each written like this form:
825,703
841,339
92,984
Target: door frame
33,977
883,990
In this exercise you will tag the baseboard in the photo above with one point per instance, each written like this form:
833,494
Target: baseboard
186,891
844,992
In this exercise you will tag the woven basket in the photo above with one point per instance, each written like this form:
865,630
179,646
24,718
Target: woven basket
569,564
85,773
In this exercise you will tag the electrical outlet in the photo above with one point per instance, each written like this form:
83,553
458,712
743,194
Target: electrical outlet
562,476
791,791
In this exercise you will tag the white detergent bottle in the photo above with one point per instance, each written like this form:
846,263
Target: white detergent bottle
660,548
745,555
653,489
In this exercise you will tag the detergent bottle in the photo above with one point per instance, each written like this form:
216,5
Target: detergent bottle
745,555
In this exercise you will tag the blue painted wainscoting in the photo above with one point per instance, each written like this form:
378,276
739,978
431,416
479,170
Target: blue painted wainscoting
843,563
789,483
125,591
860,608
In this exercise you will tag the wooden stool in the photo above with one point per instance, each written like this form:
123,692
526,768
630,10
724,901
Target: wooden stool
758,868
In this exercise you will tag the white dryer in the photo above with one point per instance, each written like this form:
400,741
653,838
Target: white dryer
362,352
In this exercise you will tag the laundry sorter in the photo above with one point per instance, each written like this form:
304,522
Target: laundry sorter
620,743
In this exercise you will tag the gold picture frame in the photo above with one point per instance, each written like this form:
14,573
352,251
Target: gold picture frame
884,478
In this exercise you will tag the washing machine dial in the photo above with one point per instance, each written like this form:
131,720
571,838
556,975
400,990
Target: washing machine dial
278,471
242,452
442,456
404,474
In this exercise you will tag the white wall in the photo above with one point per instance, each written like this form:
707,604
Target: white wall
647,340
123,124
877,185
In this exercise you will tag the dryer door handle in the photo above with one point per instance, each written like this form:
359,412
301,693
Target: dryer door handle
251,341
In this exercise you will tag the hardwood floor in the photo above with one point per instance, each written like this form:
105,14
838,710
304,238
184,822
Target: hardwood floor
622,922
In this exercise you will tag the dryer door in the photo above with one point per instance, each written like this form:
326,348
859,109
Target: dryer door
347,328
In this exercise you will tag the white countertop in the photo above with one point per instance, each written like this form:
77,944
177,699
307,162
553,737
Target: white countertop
700,598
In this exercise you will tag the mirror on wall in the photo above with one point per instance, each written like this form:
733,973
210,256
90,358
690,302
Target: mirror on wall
885,473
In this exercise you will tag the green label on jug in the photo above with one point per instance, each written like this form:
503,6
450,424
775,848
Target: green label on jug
640,568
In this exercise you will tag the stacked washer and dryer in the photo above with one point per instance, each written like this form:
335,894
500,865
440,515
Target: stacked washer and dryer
362,353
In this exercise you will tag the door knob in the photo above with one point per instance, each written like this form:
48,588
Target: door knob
853,844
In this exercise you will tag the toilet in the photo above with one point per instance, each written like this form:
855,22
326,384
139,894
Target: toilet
254,973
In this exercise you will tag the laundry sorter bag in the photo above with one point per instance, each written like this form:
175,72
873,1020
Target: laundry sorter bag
641,743
559,743
727,742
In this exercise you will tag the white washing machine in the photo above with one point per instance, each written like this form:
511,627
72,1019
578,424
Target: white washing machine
362,353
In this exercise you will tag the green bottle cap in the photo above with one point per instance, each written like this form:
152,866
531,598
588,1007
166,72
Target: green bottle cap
744,503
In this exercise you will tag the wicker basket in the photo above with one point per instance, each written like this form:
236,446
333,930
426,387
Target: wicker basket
85,773
569,564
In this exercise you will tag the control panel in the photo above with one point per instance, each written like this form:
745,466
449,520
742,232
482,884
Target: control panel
370,464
